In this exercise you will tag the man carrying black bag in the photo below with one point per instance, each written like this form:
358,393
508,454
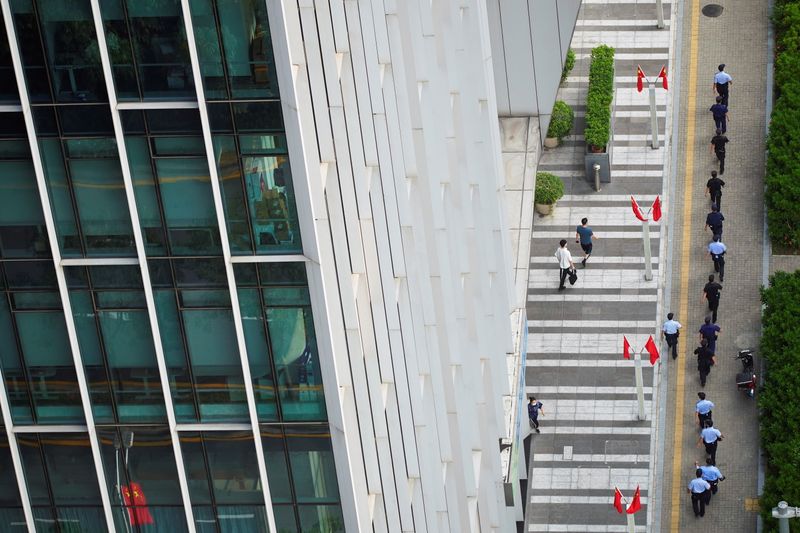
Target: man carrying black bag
567,267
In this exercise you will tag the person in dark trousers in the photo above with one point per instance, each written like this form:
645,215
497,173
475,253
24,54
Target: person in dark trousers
534,408
722,83
710,437
705,360
718,143
714,221
714,188
710,332
565,263
698,488
584,236
711,293
703,409
717,249
671,331
711,474
720,114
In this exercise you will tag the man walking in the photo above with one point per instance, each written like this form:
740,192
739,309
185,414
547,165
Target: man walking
564,259
710,437
705,360
714,185
718,143
710,332
711,474
711,293
722,83
698,488
584,236
534,407
703,409
717,249
720,113
714,221
670,331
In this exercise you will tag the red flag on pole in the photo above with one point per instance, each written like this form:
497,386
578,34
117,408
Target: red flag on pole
652,349
636,503
639,78
656,209
136,505
663,76
617,500
636,210
626,348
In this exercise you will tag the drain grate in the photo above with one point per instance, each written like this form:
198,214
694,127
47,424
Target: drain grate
712,10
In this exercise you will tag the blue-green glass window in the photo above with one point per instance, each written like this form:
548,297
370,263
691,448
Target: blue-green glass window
22,228
255,333
61,480
256,178
117,346
148,49
8,81
11,514
139,464
84,177
224,484
235,49
70,49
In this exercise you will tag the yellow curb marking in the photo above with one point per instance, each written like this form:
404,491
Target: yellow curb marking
683,313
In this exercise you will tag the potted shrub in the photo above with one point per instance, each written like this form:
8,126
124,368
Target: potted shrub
560,124
569,63
549,188
599,112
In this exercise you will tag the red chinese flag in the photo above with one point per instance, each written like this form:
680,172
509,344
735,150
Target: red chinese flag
663,76
656,209
143,516
639,78
652,349
617,500
626,349
636,503
636,210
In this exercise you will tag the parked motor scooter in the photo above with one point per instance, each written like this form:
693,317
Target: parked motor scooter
746,380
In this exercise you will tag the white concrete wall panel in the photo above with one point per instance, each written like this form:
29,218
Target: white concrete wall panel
392,117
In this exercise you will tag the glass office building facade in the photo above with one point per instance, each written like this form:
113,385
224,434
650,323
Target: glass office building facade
157,342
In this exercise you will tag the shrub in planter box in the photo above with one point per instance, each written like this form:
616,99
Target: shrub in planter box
569,63
549,188
600,95
560,121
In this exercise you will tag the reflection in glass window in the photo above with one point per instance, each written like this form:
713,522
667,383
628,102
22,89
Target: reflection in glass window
224,484
235,49
61,480
22,228
148,49
117,346
8,81
142,479
256,179
11,514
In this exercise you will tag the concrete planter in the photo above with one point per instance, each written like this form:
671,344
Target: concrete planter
601,158
544,209
550,142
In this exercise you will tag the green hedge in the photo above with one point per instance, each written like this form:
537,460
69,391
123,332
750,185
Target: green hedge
549,188
560,120
783,142
569,63
601,92
779,400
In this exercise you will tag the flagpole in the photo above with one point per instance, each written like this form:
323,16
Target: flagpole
653,115
631,523
637,359
648,267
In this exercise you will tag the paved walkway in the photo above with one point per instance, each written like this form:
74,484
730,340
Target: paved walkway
591,437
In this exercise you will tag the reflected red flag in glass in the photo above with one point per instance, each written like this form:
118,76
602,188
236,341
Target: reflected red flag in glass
656,209
626,348
652,349
639,78
636,503
617,500
136,505
663,76
637,210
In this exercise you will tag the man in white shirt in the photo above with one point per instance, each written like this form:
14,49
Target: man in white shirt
717,249
703,409
670,331
698,488
565,263
722,84
710,436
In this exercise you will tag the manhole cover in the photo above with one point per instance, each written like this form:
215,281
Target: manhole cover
712,10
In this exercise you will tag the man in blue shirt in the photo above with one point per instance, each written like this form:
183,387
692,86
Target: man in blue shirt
584,236
703,409
534,407
717,249
711,474
670,331
710,332
710,437
722,83
714,221
720,114
697,488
